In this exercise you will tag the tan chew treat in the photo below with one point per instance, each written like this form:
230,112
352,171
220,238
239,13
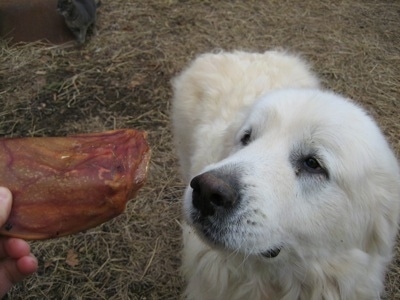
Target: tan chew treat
64,185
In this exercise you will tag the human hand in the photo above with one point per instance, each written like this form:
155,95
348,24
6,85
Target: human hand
16,259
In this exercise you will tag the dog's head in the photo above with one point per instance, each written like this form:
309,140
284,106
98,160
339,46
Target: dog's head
305,171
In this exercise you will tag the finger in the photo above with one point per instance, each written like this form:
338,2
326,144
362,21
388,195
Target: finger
27,265
13,271
5,204
14,248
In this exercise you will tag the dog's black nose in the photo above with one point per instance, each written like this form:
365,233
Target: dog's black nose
214,190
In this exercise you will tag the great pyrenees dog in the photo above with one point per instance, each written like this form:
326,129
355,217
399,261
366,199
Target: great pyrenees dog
293,191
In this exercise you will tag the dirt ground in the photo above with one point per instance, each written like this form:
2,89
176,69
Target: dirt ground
121,79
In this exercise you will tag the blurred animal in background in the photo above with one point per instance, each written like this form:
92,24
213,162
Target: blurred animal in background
79,15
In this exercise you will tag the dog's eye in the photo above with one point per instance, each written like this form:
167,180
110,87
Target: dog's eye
312,165
245,140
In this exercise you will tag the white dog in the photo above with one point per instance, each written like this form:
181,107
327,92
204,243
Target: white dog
298,193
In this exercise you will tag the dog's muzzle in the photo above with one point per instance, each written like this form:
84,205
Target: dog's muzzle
216,194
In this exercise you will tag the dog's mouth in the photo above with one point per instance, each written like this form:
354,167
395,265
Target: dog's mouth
271,253
212,234
219,243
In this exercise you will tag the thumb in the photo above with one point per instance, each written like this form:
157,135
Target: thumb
5,204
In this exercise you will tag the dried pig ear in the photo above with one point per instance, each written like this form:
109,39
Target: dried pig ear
64,185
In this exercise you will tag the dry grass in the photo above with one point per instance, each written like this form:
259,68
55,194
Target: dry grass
121,78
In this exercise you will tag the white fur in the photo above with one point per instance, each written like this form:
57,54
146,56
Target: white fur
335,229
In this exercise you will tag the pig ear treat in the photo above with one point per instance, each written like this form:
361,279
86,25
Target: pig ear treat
65,185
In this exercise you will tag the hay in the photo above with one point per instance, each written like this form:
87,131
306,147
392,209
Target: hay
121,78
